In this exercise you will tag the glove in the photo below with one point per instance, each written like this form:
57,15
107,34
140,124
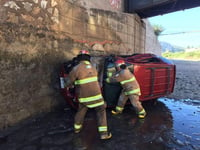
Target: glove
107,80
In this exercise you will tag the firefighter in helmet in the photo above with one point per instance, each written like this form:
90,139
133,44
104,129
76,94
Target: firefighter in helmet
84,77
130,89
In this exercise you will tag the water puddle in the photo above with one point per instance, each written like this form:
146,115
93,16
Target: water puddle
169,125
186,122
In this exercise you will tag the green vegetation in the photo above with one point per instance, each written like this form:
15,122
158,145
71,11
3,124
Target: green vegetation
193,55
158,29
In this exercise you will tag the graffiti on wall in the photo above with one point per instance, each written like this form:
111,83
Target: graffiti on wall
44,4
12,5
98,42
50,10
116,4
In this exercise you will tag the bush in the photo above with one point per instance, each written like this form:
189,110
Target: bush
182,55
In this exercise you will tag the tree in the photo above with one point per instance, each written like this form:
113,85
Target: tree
158,29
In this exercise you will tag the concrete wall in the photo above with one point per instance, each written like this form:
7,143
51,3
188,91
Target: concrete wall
148,43
37,36
152,44
111,5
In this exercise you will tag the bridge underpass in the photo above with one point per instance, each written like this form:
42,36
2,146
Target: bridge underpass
151,8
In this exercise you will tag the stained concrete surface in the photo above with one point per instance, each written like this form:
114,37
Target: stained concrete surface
169,125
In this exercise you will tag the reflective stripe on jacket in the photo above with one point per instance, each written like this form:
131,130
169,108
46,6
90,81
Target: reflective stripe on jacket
86,80
84,76
127,80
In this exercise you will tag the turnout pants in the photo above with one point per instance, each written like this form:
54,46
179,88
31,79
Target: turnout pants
134,99
100,113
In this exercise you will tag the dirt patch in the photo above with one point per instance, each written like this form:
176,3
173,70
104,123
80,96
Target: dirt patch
187,85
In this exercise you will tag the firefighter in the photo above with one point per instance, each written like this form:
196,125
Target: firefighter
130,89
84,77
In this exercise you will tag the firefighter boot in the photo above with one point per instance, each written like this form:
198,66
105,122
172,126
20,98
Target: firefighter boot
142,114
77,128
115,112
118,110
105,136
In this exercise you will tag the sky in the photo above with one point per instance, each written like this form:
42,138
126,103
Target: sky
187,20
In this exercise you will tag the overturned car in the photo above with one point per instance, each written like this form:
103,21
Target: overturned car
155,75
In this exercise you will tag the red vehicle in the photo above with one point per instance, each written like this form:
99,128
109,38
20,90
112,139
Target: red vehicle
156,76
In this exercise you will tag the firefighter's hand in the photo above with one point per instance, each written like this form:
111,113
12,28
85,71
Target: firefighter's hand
107,80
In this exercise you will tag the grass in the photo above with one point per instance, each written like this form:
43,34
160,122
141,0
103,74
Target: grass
193,55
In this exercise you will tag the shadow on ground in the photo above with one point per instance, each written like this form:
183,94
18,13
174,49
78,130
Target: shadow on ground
170,124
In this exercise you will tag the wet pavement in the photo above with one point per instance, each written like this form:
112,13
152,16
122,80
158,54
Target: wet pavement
169,125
